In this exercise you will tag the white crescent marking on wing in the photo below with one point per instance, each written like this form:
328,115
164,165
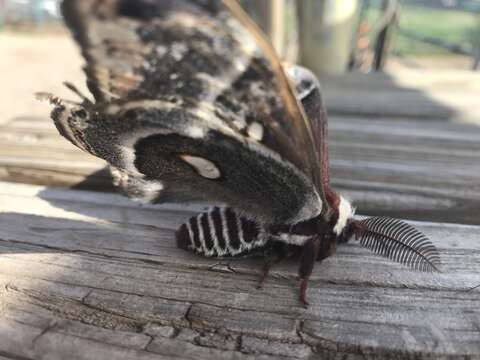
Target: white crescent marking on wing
204,167
255,131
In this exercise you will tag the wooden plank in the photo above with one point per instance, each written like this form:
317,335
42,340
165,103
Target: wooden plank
33,152
427,171
270,17
94,274
326,34
417,94
391,167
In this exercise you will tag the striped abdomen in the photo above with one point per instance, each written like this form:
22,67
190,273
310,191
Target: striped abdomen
220,232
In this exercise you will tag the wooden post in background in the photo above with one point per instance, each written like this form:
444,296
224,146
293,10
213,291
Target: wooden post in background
383,40
476,60
270,16
476,48
326,29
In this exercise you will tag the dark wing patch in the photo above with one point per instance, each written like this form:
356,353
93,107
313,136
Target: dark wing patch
163,153
251,178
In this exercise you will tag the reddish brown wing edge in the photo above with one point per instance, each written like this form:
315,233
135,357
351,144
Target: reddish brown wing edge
321,142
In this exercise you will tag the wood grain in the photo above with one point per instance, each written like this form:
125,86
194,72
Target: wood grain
428,171
419,94
96,275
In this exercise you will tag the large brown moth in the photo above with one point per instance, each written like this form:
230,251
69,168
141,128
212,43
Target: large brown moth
192,104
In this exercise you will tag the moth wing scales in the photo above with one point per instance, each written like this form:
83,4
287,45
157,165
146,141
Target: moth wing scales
310,145
166,58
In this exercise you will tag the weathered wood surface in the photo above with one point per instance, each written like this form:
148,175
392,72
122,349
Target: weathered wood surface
428,171
418,170
409,93
86,275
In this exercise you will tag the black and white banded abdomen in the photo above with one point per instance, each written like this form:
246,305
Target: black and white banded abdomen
220,232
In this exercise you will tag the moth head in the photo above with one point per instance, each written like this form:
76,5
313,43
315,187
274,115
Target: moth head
353,228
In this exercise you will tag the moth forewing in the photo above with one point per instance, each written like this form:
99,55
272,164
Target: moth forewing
304,133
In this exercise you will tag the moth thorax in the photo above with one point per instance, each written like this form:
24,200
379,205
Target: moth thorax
345,212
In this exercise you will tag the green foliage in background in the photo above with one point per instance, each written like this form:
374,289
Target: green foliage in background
452,26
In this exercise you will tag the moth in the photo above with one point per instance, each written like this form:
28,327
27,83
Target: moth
191,103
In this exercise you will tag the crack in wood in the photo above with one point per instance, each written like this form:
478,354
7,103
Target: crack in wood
11,356
50,326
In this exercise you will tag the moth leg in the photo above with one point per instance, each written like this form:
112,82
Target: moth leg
309,255
327,248
272,256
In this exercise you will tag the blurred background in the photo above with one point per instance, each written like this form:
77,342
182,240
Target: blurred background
347,34
401,80
425,45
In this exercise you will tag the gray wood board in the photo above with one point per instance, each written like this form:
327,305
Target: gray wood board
93,275
414,93
403,168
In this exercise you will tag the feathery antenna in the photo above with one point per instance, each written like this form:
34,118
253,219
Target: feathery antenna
75,90
400,242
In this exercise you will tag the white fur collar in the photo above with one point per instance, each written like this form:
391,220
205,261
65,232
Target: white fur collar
345,212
